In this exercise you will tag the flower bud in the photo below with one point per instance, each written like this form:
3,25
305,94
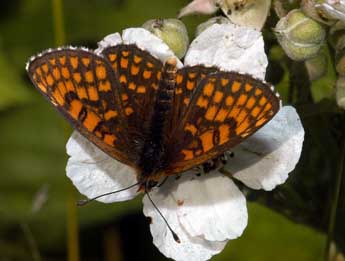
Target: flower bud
333,9
310,8
317,66
214,20
172,31
340,92
300,36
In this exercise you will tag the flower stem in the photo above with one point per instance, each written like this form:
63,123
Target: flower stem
72,226
335,201
59,31
72,220
112,245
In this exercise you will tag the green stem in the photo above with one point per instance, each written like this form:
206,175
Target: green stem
72,226
335,201
72,219
58,22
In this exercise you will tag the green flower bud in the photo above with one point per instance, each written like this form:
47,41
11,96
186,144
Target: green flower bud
317,66
214,20
300,36
340,92
172,31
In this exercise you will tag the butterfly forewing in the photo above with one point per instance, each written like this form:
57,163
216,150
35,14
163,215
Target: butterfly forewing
82,86
139,74
225,109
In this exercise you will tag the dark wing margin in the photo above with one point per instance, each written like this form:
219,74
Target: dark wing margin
225,109
83,88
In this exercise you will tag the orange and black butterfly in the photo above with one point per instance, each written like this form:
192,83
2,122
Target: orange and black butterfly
156,118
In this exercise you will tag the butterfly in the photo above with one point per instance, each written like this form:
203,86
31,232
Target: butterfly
147,114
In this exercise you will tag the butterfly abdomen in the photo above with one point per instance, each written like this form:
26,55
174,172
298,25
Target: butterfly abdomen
152,157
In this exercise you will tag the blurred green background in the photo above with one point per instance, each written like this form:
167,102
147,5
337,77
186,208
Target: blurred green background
38,217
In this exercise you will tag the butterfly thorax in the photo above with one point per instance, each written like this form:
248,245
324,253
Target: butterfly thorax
153,161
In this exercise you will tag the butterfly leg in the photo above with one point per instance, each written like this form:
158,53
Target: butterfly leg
229,154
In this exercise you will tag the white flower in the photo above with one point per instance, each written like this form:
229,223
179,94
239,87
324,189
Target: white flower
251,13
209,210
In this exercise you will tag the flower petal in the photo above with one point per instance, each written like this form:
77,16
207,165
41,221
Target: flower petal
203,211
231,48
94,173
109,40
149,42
213,207
266,158
251,14
190,248
199,7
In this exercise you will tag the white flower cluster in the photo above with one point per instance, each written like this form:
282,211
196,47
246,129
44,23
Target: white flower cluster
209,210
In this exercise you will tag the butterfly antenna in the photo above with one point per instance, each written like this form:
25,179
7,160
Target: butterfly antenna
83,202
175,236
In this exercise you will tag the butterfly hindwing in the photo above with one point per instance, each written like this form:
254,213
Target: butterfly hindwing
139,74
82,86
225,109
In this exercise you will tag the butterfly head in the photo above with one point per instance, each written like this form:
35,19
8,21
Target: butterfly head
171,61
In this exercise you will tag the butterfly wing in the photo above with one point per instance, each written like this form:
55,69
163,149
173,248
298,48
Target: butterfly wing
139,74
225,109
82,87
